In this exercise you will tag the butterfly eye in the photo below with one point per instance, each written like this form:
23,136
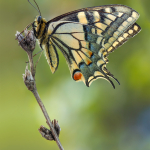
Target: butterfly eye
39,19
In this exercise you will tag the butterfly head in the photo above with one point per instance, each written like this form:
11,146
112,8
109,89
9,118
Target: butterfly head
39,26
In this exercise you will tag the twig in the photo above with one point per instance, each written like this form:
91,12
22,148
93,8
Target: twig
28,44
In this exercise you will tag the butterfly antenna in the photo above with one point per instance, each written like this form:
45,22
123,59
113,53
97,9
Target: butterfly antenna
35,7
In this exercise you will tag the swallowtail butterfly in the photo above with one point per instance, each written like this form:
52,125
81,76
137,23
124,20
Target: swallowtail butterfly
86,37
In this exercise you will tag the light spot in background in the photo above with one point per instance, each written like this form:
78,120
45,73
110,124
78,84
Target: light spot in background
66,100
137,135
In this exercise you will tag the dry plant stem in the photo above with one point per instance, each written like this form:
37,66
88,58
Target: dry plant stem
47,118
34,91
30,57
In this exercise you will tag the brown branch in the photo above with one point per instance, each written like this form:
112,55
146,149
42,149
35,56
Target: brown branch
28,44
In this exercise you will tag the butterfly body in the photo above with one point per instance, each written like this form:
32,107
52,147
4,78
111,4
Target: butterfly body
86,37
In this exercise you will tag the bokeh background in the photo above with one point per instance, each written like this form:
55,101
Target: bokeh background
97,117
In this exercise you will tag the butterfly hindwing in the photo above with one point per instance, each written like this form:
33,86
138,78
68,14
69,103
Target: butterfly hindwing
80,50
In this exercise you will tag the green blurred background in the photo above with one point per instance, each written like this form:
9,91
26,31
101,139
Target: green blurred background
97,117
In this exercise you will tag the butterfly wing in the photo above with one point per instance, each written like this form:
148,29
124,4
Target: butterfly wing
87,36
51,55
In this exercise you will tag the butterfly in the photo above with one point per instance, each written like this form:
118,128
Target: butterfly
86,37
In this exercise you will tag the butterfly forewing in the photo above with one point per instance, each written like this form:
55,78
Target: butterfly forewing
87,36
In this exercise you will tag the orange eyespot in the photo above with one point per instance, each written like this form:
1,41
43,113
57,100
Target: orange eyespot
77,75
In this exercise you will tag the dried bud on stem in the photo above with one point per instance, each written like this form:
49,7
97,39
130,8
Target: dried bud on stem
28,79
47,134
28,42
